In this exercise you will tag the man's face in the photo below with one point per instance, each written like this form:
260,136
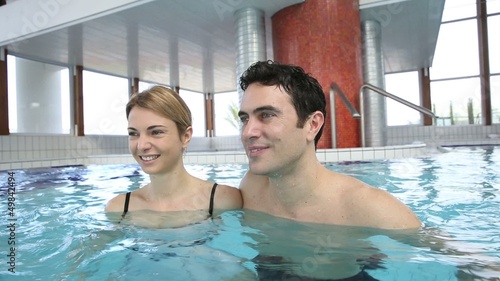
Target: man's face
270,135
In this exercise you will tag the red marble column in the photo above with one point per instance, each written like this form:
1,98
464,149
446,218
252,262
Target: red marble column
324,38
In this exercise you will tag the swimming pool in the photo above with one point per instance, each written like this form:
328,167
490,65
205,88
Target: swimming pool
61,233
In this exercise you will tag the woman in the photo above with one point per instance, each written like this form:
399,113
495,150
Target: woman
159,128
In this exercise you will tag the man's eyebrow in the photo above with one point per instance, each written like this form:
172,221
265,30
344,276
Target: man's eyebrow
267,108
242,113
260,109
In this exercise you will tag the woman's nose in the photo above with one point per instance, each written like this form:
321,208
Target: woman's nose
143,143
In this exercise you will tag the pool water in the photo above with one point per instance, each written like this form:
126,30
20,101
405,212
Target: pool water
62,233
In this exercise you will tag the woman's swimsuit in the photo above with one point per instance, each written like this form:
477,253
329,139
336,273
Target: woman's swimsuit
210,206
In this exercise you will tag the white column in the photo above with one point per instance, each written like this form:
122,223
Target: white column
38,97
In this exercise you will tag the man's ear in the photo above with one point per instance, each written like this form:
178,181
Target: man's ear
314,123
186,137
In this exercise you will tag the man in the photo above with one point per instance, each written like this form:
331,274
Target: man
283,113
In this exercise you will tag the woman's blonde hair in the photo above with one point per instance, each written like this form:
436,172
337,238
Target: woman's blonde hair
166,103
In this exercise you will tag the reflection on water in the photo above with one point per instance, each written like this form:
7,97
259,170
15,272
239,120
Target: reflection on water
297,250
64,234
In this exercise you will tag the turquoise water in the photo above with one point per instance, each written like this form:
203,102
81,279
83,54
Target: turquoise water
61,232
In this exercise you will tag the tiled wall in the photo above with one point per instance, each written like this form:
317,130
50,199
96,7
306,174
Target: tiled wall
324,155
29,151
449,135
371,153
228,143
26,151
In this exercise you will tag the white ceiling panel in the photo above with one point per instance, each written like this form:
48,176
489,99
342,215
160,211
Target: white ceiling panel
189,40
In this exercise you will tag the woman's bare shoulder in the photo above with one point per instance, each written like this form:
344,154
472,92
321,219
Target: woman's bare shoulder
116,204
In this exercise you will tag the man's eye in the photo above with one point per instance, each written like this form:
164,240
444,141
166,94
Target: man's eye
244,119
266,115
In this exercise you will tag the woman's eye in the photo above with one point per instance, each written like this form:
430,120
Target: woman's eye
156,132
132,134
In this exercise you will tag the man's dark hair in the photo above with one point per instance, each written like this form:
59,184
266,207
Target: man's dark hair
306,92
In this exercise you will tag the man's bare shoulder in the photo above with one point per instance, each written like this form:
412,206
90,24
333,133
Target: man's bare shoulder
375,207
228,197
392,213
339,199
251,183
251,187
365,205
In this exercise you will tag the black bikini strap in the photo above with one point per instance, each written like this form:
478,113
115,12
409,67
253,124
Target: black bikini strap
125,207
211,207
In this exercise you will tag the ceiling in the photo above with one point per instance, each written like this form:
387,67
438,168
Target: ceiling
409,32
137,42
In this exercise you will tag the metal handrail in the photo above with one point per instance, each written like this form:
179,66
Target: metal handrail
391,96
334,88
396,98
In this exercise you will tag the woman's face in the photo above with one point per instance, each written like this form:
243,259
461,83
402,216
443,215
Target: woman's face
154,141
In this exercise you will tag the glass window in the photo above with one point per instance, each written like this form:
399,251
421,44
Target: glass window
104,101
493,6
145,85
495,99
38,105
226,114
456,56
494,43
457,102
404,85
196,103
459,9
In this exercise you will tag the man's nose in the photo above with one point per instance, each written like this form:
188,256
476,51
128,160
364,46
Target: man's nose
251,129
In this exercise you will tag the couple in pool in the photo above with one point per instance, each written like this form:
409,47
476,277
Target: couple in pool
282,113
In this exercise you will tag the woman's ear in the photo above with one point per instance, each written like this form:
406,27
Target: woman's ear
186,137
315,122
